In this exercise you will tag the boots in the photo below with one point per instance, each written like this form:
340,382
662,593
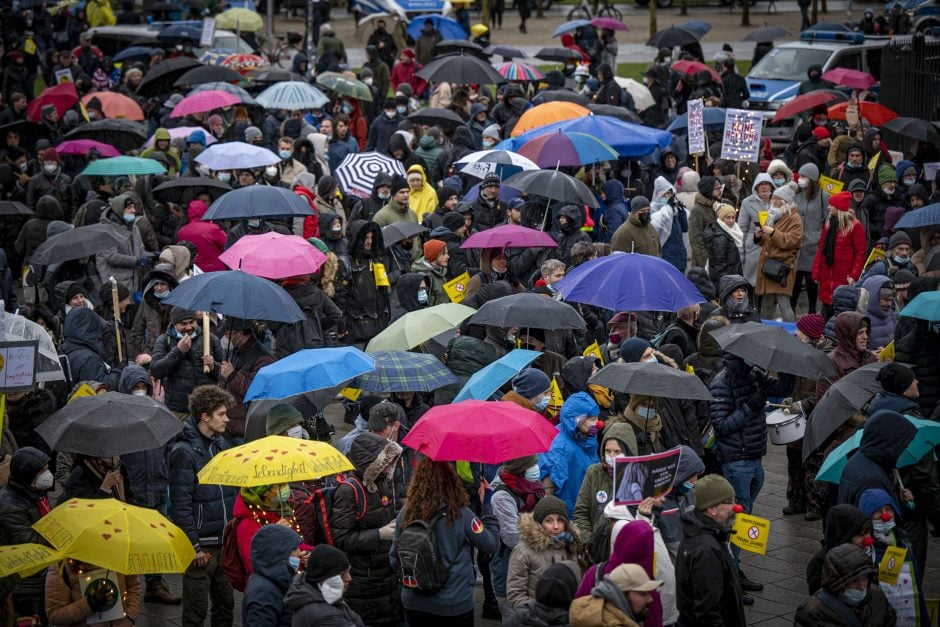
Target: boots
159,593
747,585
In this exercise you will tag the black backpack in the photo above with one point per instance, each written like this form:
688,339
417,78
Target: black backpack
421,567
598,548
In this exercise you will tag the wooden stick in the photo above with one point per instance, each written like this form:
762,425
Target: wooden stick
205,339
116,306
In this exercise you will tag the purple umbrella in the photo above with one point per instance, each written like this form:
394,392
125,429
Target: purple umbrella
510,236
82,146
505,193
609,23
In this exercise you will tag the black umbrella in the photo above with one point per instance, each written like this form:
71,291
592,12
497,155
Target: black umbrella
552,184
528,310
257,201
76,243
266,75
557,54
614,111
308,403
397,231
672,37
160,78
183,190
459,46
13,208
648,379
207,74
556,95
843,398
161,7
28,131
461,70
124,135
913,128
772,348
507,52
109,424
767,33
436,117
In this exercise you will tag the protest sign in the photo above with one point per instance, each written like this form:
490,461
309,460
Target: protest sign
645,476
456,288
63,76
18,365
207,36
830,185
696,110
741,139
750,533
891,564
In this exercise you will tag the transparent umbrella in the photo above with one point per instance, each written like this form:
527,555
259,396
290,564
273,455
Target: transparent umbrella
14,328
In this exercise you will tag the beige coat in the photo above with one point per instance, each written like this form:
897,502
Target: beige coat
532,557
66,607
783,245
591,611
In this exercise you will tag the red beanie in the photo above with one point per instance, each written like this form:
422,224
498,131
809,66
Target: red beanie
812,325
821,132
408,52
433,248
50,154
841,201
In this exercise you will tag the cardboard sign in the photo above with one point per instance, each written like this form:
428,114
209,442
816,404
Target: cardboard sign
208,32
830,186
696,109
594,350
63,76
645,476
741,141
891,564
107,579
750,533
18,365
456,288
381,277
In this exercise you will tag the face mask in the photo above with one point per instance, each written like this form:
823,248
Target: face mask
423,297
653,360
139,392
296,432
533,474
253,224
688,486
803,183
542,404
854,596
50,168
129,217
592,432
270,171
225,177
487,144
45,481
609,460
285,154
647,413
644,218
401,109
294,562
910,181
347,109
161,295
882,527
779,180
23,166
614,338
368,80
390,113
888,191
899,259
332,589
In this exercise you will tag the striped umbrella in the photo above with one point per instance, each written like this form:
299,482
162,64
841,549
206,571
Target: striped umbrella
357,172
215,56
404,371
228,88
204,101
292,95
120,166
244,63
515,71
503,162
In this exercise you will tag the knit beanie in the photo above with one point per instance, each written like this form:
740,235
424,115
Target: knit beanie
446,192
519,465
325,561
841,201
904,277
895,378
549,505
529,382
711,490
886,174
433,248
253,132
786,193
706,186
844,565
639,202
319,244
178,314
809,171
384,414
631,350
725,210
857,185
453,221
398,183
812,325
74,289
492,131
899,238
821,132
282,417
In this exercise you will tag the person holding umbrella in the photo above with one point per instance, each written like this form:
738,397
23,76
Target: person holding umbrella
236,372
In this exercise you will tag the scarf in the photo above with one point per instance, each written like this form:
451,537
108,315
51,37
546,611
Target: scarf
652,426
529,492
829,245
735,233
602,396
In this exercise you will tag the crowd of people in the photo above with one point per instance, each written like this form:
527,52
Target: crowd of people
542,534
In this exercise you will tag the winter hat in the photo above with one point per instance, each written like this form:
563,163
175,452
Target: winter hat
633,578
384,414
857,185
453,220
899,238
529,382
874,499
639,202
845,564
490,180
408,52
319,244
253,132
631,350
215,118
706,185
895,378
433,248
812,325
178,314
549,505
74,289
725,210
492,131
446,192
282,417
325,561
904,277
821,132
50,154
886,174
809,171
196,137
786,193
711,490
398,183
841,201
557,586
519,465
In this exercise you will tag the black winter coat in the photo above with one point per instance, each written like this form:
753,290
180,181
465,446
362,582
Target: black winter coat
24,416
146,470
34,231
322,316
365,306
182,372
724,258
263,602
465,356
918,346
19,510
82,345
309,607
487,215
83,484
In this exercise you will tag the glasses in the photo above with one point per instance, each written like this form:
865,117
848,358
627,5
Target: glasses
728,502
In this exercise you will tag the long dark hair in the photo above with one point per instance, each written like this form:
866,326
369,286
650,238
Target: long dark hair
433,486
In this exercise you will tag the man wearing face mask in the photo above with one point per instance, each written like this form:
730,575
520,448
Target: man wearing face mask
530,389
288,167
317,597
573,450
129,261
51,181
637,235
854,166
244,357
876,204
383,126
275,558
152,315
814,82
249,226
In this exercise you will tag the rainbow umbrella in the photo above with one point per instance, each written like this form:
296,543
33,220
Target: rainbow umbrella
244,63
567,149
515,71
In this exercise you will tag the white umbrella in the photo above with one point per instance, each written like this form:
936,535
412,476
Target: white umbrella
503,162
292,95
641,94
236,155
357,172
14,328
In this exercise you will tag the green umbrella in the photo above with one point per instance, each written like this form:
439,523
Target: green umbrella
417,327
121,166
345,85
404,371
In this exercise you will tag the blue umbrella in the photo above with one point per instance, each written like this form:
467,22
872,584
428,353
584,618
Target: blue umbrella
179,32
629,282
486,381
919,218
698,27
925,306
236,294
629,140
309,370
257,201
404,371
135,52
567,27
713,117
449,29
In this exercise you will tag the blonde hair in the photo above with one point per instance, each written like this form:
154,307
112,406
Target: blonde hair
846,221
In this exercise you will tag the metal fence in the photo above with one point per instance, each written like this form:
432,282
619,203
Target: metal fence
910,77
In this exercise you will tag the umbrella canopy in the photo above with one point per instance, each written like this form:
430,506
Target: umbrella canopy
609,23
843,398
228,88
462,70
257,201
122,166
308,370
913,128
691,68
850,78
123,135
569,26
267,75
528,310
176,33
81,147
239,19
14,328
160,78
236,294
567,149
273,256
185,132
81,242
204,101
557,54
115,105
559,95
875,113
773,348
27,559
207,74
627,282
642,97
417,327
458,46
649,379
397,231
546,113
14,208
356,174
629,140
480,431
28,131
182,190
767,33
244,63
448,28
506,52
925,306
109,424
698,27
502,162
63,97
919,218
510,236
553,184
250,464
404,371
135,53
308,404
484,382
673,37
615,111
117,536
235,156
803,103
345,85
434,116
515,71
713,118
292,95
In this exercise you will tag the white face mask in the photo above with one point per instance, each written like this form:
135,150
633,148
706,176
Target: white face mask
533,474
139,392
50,168
332,589
271,171
45,481
225,177
296,432
609,460
803,183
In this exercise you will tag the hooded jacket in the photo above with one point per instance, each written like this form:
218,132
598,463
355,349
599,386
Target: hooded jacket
843,522
322,316
487,213
882,322
146,470
571,452
34,231
308,606
850,252
424,200
701,215
671,220
844,563
335,242
845,356
571,234
617,210
465,356
392,212
179,372
724,256
749,221
121,261
407,291
550,606
739,314
208,237
263,600
21,507
82,345
152,315
365,305
533,555
368,207
707,590
23,416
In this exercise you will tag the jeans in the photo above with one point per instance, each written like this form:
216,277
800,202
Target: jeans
201,584
746,478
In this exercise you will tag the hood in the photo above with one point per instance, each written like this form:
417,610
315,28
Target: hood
162,272
161,133
131,376
319,141
904,165
577,405
623,433
48,208
573,213
57,227
358,229
848,324
535,537
613,189
116,207
83,326
372,455
382,178
660,187
25,465
885,436
690,464
634,545
466,355
872,285
463,138
763,177
427,142
417,168
925,234
326,188
397,142
707,345
179,257
870,137
728,284
576,373
690,181
299,58
300,594
325,219
196,209
669,151
918,191
844,565
407,290
777,166
270,548
843,522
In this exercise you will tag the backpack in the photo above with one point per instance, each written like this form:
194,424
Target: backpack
231,559
421,567
598,548
313,512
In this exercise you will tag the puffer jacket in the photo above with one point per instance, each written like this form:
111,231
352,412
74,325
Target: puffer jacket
365,305
842,523
308,606
465,356
322,316
883,322
845,298
121,261
571,452
146,470
634,237
34,233
701,215
749,221
373,593
845,356
707,589
533,555
82,345
263,601
617,211
200,510
20,508
724,257
181,372
850,251
208,237
919,346
737,413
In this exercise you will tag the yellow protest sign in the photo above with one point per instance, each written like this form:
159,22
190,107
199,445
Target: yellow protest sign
750,533
351,394
689,369
594,350
887,353
762,217
83,390
876,254
891,564
555,399
30,46
456,288
381,278
830,185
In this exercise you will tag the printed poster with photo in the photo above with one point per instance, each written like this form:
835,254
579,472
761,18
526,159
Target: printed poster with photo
645,476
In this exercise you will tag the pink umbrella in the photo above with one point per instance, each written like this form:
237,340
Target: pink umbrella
273,256
204,101
488,432
184,131
510,236
850,78
82,146
608,23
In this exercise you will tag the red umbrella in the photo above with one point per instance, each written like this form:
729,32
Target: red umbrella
875,113
694,67
63,97
488,432
804,103
850,78
510,236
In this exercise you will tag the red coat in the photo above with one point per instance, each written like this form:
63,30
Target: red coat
849,258
208,237
311,223
405,73
248,527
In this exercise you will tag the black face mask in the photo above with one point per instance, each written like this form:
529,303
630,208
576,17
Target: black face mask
644,218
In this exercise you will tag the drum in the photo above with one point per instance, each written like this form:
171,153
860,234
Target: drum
785,427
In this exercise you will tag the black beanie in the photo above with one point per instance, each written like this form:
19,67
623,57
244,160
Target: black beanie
398,183
549,505
557,586
325,562
895,378
706,186
178,314
453,221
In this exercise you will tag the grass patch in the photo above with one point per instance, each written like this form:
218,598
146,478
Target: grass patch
635,70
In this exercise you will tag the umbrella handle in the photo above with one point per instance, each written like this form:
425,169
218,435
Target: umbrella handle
116,307
206,350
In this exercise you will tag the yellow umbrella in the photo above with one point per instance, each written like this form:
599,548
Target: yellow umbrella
124,538
26,559
274,459
239,19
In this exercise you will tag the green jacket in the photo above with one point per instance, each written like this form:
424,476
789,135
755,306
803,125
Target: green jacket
597,487
437,277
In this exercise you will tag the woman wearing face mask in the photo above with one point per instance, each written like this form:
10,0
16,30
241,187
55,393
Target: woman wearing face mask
841,252
749,219
257,507
275,557
130,260
845,524
152,317
780,239
573,450
95,478
317,597
811,204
